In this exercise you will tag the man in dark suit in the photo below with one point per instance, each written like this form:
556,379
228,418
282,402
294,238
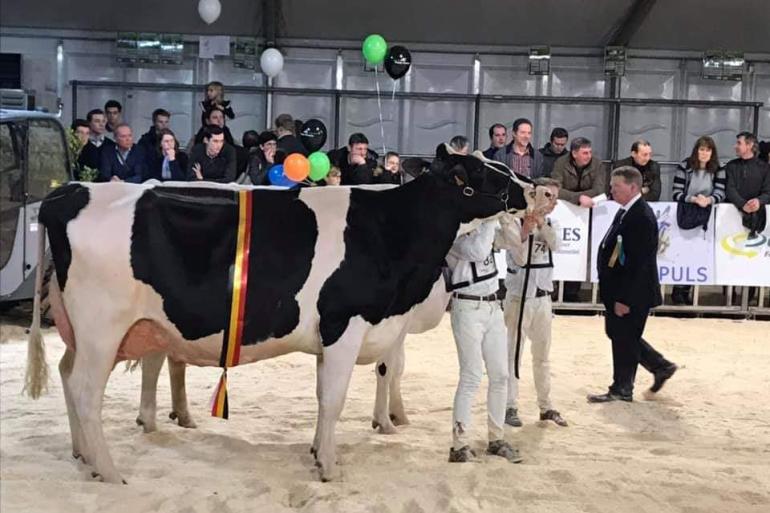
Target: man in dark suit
629,287
125,161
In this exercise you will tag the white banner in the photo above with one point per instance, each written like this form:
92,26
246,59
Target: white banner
571,222
740,260
685,257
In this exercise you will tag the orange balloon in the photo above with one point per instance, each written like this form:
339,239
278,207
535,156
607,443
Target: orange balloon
296,167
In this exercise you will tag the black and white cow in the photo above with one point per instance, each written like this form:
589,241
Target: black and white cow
333,272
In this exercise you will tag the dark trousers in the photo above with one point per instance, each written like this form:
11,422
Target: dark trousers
629,349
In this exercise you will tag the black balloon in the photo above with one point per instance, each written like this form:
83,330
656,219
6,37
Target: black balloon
313,135
397,62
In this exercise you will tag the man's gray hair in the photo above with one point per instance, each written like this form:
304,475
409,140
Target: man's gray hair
629,174
578,143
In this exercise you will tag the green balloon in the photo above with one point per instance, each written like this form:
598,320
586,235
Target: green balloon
319,165
374,49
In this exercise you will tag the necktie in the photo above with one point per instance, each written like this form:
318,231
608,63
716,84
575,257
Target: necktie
615,224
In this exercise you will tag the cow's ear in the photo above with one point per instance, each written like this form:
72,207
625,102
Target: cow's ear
459,181
442,153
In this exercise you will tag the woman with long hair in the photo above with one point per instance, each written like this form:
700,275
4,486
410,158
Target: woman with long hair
699,180
167,162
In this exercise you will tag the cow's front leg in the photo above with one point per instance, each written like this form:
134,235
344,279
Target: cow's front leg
179,408
384,370
151,365
396,405
334,374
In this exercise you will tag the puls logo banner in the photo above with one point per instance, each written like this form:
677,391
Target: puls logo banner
571,224
741,258
685,257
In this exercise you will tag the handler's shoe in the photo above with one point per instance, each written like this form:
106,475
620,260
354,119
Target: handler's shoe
662,376
504,450
512,417
554,416
463,455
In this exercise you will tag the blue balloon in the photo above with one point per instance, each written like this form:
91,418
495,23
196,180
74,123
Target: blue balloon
276,177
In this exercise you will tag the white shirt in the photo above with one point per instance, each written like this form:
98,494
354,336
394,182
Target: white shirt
545,242
472,263
630,204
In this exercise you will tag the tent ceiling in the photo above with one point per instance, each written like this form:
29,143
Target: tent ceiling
669,25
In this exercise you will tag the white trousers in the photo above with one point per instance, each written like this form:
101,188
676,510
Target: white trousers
536,328
479,333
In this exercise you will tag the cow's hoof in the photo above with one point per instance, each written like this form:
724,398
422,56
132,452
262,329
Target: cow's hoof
314,452
184,420
148,427
125,482
333,474
399,420
78,456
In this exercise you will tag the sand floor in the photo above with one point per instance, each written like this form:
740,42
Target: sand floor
702,446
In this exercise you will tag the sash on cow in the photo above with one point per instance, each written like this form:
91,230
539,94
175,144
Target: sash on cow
233,333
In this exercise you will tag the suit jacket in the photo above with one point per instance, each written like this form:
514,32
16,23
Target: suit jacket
133,170
91,156
634,282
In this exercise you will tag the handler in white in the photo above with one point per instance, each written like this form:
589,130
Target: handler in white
479,333
516,236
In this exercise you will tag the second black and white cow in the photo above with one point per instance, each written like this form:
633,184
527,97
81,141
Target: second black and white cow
331,271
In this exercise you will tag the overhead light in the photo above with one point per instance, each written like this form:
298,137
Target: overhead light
540,60
722,65
615,61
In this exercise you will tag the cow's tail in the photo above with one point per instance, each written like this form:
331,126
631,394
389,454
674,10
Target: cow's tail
36,378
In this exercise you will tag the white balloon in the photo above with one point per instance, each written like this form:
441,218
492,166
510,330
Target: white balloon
271,62
209,10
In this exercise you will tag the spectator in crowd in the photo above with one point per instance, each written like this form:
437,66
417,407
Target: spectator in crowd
250,140
81,130
91,154
641,159
520,155
460,144
215,99
262,158
114,112
355,161
334,177
699,180
215,117
149,140
764,151
497,136
212,160
288,142
581,177
555,148
391,169
580,174
167,162
126,161
748,178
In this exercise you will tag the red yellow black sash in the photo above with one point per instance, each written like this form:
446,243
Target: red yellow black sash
233,333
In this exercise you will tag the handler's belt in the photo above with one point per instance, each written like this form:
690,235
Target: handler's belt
490,297
542,293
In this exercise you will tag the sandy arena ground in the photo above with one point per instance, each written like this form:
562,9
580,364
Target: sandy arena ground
703,446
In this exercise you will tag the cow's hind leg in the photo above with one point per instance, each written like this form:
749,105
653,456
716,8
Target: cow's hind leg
396,404
314,448
335,371
151,365
93,363
65,370
180,411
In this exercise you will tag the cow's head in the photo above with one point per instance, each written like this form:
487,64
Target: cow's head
486,187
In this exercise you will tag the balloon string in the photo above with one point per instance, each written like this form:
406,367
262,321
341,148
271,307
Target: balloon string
379,108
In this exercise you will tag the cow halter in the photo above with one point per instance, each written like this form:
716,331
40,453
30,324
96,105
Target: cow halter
502,196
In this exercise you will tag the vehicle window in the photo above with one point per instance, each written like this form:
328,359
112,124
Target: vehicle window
11,189
47,158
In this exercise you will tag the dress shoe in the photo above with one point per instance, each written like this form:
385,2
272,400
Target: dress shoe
609,396
662,376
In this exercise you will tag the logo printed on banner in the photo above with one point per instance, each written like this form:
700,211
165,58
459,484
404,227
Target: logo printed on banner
664,225
740,245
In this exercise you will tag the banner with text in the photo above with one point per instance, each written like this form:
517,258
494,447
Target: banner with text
740,260
571,223
685,257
